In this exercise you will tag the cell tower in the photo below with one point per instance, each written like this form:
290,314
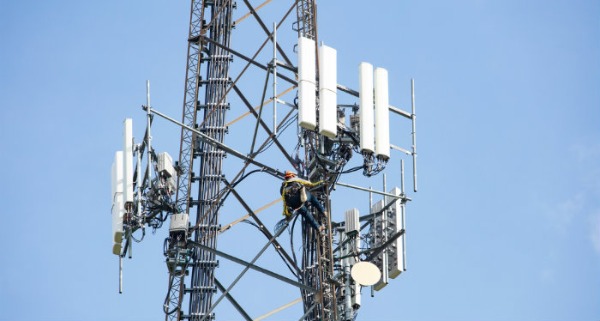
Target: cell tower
250,113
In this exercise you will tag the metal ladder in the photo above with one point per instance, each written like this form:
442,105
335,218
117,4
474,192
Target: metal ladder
329,305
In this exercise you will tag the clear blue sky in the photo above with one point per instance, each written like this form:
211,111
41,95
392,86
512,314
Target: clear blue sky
506,223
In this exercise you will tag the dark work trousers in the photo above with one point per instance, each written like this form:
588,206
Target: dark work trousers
310,198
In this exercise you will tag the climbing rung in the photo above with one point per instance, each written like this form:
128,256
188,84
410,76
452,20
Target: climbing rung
212,153
207,178
204,202
198,316
212,105
217,58
213,128
202,289
213,80
204,227
209,264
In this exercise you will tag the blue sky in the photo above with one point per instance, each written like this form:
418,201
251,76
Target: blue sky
506,223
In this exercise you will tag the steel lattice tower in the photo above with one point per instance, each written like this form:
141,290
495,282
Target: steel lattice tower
214,89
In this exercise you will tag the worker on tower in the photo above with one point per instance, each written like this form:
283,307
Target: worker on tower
295,196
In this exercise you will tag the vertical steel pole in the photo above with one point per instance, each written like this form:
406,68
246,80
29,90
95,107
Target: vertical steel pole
274,78
402,176
414,133
130,246
403,212
139,182
148,123
120,274
348,290
370,208
384,253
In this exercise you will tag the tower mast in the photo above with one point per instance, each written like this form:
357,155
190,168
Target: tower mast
201,163
326,142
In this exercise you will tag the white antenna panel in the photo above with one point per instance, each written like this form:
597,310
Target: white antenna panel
382,114
395,224
128,161
117,175
327,91
328,113
381,260
118,210
352,247
365,75
352,221
306,60
356,296
307,106
165,164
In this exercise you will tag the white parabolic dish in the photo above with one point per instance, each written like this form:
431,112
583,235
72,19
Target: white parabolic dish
365,273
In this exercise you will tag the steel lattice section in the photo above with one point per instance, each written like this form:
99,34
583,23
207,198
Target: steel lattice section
202,284
189,106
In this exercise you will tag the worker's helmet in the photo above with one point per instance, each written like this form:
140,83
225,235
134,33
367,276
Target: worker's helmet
289,174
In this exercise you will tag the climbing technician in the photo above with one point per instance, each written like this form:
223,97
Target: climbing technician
295,197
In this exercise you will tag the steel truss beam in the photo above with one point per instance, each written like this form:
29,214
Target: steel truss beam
257,268
233,301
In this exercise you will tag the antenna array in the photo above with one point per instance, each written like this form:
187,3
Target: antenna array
354,251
